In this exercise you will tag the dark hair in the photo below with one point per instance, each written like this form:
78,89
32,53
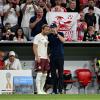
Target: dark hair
91,8
17,32
45,25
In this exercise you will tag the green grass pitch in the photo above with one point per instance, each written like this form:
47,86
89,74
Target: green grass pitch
51,97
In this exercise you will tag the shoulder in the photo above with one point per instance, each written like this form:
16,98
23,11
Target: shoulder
22,5
6,6
32,19
6,61
36,38
17,60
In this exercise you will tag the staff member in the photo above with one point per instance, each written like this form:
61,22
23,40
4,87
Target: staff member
13,63
56,40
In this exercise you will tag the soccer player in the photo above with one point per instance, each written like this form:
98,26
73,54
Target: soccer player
40,45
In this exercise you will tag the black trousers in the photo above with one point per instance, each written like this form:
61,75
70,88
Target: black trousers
56,65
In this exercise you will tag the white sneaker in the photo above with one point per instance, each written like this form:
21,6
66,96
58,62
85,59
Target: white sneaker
44,92
39,92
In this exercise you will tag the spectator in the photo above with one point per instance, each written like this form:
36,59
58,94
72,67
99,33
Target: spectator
82,26
11,13
8,36
6,27
44,4
58,7
99,22
64,3
83,3
98,3
98,35
36,22
72,6
96,11
90,34
28,10
56,40
52,3
12,63
1,32
40,46
1,60
1,11
19,36
90,17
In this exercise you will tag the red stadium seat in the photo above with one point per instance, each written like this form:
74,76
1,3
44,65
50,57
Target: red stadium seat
84,77
67,80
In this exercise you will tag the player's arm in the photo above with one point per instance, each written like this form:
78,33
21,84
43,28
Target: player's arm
35,50
35,47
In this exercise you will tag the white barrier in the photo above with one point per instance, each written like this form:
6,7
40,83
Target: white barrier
6,79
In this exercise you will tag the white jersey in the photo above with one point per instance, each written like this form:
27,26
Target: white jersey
15,65
12,18
42,42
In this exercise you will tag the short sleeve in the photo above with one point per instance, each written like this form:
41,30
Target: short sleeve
17,8
36,39
32,19
22,6
5,8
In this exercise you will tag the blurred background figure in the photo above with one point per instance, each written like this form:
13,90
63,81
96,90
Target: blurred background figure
81,27
58,7
96,12
19,36
12,63
2,67
90,17
90,35
72,6
28,10
7,33
11,14
36,22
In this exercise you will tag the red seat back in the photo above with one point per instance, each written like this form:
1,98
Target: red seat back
84,76
67,72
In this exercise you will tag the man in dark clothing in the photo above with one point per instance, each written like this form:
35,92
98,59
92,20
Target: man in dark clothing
56,40
37,22
72,6
90,17
90,34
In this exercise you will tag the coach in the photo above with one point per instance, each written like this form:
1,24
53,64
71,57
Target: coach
56,40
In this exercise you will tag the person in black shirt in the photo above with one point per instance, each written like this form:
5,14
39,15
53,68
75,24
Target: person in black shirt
90,35
90,17
72,6
36,23
56,40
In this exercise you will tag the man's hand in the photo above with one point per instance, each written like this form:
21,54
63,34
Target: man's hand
38,59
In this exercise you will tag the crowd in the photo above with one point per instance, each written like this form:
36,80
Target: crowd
21,20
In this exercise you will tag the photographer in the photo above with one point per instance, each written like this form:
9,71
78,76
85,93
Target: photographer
11,13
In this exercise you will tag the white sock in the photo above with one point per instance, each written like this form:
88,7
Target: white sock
43,80
38,82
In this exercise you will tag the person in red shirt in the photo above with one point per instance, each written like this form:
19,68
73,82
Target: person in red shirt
1,60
